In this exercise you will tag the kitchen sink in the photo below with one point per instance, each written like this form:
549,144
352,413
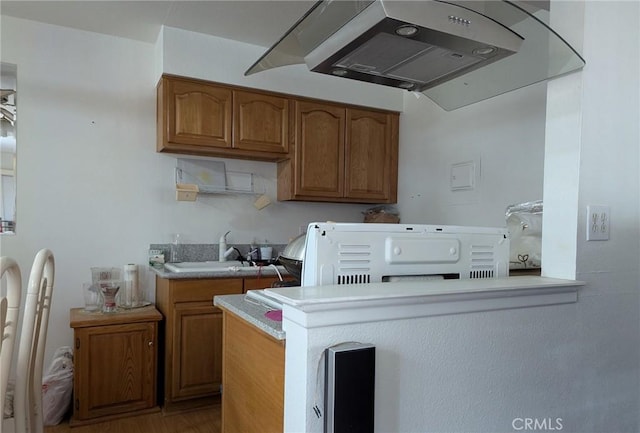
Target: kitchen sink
184,267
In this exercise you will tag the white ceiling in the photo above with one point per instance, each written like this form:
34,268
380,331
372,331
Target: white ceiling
259,22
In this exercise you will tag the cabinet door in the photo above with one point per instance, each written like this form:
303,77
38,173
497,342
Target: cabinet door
197,355
260,122
198,114
253,397
319,153
115,369
371,156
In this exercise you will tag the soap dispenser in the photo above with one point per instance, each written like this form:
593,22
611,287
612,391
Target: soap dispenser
222,247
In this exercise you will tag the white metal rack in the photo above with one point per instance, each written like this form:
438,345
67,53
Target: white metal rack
195,176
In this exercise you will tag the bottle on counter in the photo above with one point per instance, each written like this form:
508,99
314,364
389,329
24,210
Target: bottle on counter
175,248
255,252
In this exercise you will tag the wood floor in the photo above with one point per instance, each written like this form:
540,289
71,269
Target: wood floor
197,421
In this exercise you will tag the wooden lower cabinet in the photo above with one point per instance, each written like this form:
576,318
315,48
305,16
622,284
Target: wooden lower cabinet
199,368
191,335
253,378
115,359
191,353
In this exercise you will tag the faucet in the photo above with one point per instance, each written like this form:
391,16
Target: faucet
225,251
222,247
231,250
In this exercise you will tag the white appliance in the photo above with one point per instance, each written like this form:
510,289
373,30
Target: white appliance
359,253
353,253
456,52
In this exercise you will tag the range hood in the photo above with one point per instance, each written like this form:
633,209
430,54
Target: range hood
455,52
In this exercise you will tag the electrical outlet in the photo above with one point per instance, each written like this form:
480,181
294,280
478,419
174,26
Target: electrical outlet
598,223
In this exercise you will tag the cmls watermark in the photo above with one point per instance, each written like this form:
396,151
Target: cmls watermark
537,424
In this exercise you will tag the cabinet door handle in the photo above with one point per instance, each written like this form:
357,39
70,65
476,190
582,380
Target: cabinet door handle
150,343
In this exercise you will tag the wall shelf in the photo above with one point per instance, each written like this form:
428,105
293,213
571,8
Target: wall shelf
195,176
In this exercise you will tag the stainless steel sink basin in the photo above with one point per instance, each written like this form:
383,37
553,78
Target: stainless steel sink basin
205,267
212,267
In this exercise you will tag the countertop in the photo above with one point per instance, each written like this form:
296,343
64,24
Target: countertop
434,289
323,306
264,271
390,300
79,318
252,312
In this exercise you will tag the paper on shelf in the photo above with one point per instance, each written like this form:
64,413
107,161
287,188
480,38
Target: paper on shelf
207,175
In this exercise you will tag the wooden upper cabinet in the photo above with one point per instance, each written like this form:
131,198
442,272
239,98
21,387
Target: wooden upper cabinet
371,155
341,154
198,114
204,118
319,163
325,151
260,122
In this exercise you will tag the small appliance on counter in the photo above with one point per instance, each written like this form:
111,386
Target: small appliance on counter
351,253
293,255
361,253
355,253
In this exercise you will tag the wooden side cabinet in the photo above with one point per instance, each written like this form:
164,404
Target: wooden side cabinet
115,364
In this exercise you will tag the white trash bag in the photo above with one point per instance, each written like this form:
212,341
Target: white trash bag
8,399
524,222
57,387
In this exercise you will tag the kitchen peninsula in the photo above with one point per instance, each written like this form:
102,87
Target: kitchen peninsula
252,366
440,324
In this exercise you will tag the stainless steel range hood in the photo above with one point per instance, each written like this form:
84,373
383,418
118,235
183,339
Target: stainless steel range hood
455,52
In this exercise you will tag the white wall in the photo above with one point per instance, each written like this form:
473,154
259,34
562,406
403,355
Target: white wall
594,147
504,136
481,372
